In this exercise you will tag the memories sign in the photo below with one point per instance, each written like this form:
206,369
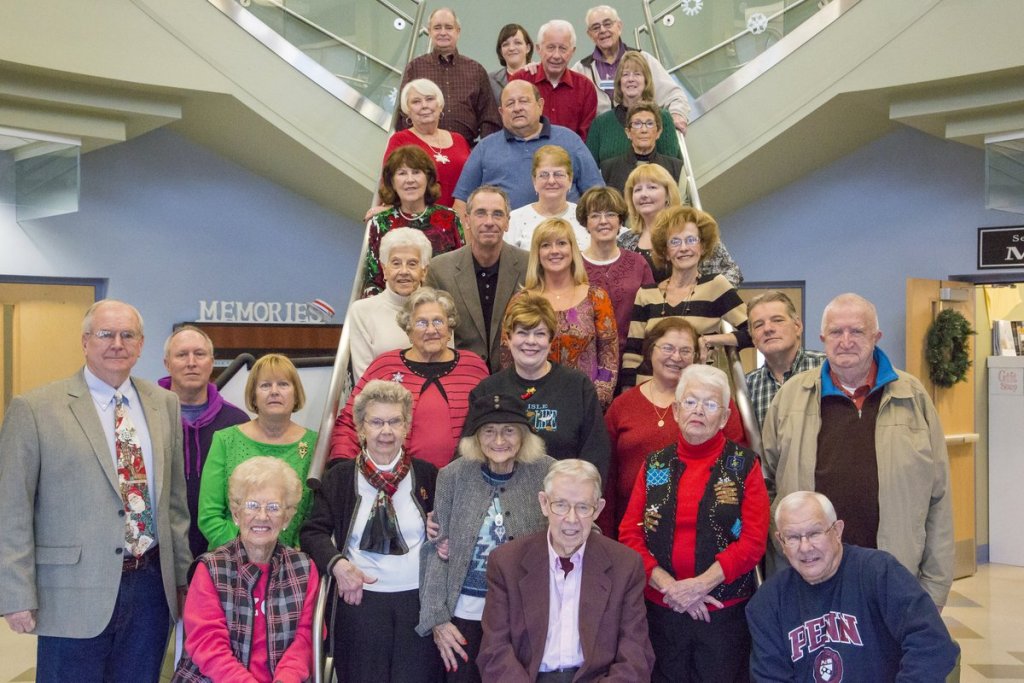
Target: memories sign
1001,247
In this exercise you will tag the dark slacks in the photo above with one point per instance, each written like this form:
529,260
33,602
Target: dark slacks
467,672
688,650
131,647
377,641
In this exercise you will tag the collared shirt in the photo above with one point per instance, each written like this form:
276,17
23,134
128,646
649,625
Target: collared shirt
469,106
103,399
859,393
505,160
606,70
562,647
487,287
763,386
572,102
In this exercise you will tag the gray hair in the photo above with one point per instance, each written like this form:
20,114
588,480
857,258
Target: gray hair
382,391
405,238
575,469
709,375
449,10
601,8
558,25
798,498
850,299
492,189
423,86
530,450
427,295
87,319
187,328
264,471
773,296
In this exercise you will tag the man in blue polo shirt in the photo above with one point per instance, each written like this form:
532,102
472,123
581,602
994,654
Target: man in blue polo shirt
505,158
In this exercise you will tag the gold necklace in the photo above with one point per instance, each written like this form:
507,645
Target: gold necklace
662,414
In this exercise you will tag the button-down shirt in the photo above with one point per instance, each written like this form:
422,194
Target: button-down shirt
562,647
505,160
469,106
572,102
763,386
103,399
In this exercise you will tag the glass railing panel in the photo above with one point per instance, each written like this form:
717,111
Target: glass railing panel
703,43
41,179
1004,172
364,43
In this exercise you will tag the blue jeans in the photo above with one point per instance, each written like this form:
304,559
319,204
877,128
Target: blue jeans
131,647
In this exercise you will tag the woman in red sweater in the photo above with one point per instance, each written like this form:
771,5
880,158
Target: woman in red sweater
640,420
698,517
438,377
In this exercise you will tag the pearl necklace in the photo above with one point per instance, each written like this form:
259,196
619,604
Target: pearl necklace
411,217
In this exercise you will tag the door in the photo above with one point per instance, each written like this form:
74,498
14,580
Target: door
955,405
40,334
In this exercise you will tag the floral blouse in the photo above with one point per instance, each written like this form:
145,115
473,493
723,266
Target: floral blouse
440,224
587,339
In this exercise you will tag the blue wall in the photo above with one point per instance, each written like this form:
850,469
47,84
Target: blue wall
168,223
906,205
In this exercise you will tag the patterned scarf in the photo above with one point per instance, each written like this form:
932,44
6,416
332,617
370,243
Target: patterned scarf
381,534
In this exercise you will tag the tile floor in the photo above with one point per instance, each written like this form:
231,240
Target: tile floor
985,614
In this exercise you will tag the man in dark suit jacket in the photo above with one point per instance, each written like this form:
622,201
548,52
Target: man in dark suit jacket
94,550
643,128
481,276
566,604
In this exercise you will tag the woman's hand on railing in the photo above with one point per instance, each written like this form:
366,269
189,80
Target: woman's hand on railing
680,122
374,210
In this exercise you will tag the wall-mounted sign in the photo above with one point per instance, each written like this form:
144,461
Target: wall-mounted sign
1001,247
264,312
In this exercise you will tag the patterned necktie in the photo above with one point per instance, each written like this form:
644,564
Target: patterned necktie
131,476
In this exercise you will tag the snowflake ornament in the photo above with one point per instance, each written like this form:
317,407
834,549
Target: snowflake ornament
691,7
757,23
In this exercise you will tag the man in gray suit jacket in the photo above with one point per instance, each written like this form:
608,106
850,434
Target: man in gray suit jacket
482,276
72,568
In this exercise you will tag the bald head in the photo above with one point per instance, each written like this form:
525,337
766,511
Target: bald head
521,108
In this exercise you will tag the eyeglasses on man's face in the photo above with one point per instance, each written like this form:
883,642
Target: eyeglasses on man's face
107,336
562,508
794,541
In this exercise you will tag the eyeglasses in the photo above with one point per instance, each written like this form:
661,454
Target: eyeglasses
690,404
562,507
602,216
793,541
689,241
637,125
548,175
378,424
436,323
253,507
670,350
597,26
107,336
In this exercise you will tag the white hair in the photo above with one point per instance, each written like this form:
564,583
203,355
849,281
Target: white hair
709,375
576,470
798,499
405,238
423,86
850,299
601,8
560,25
87,319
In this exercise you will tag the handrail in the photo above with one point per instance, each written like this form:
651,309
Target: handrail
246,359
739,380
339,376
321,673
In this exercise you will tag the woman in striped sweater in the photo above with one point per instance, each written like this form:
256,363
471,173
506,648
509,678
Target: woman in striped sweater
682,238
438,377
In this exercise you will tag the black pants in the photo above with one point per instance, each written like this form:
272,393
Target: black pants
688,650
468,672
376,641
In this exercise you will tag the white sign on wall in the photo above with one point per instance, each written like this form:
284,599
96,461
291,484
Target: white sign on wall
264,312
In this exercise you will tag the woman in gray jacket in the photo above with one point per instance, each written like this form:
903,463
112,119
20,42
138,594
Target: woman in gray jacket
484,498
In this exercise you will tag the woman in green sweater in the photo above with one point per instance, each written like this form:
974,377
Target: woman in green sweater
273,392
633,84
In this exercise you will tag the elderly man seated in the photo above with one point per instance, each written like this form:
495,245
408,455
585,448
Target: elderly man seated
842,612
566,604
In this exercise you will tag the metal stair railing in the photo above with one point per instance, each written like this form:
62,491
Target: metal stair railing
740,393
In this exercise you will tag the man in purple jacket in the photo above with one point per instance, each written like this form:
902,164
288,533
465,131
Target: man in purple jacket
188,356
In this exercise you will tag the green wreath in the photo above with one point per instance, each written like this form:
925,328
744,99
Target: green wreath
947,348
